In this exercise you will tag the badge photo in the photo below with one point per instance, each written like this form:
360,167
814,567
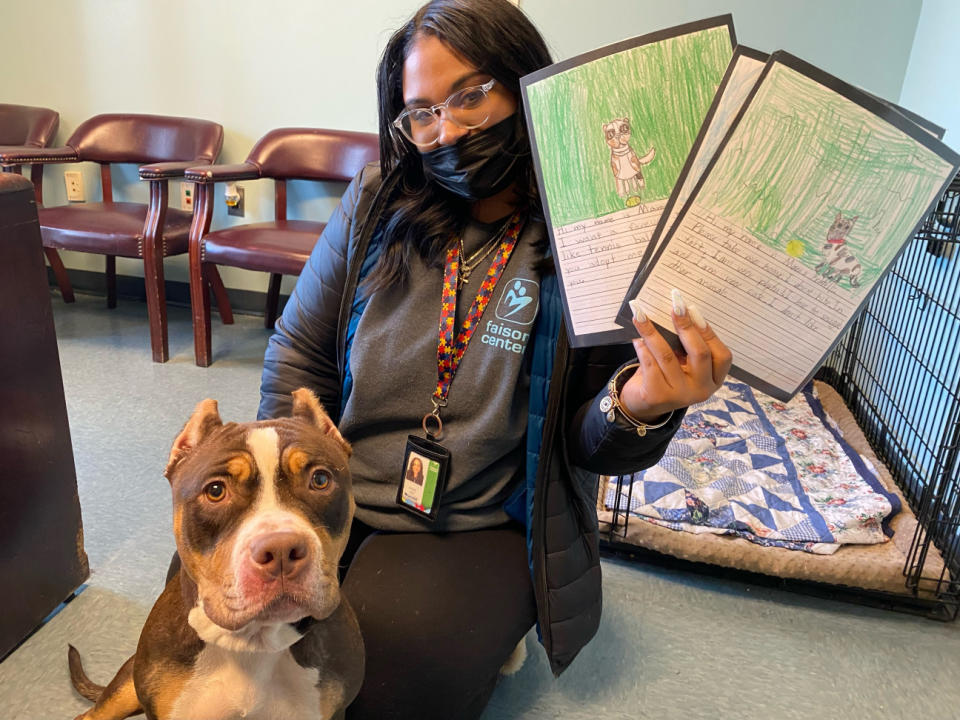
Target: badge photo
424,476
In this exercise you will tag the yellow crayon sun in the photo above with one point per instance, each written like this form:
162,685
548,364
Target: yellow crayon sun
795,248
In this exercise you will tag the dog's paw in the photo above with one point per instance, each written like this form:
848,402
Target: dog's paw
516,659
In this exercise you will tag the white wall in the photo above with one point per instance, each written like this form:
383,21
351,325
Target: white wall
254,65
932,83
865,42
249,65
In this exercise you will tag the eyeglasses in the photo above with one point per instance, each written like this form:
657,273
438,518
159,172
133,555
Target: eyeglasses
467,108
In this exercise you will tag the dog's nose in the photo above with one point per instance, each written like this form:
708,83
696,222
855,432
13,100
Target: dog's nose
279,553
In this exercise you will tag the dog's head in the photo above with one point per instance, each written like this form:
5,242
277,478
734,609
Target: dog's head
261,513
617,132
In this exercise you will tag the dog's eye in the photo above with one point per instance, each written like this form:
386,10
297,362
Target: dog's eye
215,491
319,480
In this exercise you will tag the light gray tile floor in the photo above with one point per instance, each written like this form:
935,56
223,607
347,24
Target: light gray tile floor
671,644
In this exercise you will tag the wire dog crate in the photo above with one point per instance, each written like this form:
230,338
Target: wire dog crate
898,371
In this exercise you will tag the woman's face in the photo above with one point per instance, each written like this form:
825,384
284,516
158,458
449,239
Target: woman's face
432,72
416,466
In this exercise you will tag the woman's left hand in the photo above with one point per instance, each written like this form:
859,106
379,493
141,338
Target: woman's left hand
666,381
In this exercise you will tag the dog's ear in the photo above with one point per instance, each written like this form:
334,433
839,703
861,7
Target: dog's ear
307,407
205,418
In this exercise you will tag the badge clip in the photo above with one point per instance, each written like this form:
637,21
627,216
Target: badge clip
433,417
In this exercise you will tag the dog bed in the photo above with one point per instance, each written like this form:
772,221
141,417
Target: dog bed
867,529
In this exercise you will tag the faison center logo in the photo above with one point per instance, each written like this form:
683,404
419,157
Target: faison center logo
517,309
519,304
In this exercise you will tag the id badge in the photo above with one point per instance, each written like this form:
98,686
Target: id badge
424,477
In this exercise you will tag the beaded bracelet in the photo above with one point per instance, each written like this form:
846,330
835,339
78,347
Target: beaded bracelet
610,403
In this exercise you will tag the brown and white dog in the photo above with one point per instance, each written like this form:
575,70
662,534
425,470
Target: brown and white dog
253,624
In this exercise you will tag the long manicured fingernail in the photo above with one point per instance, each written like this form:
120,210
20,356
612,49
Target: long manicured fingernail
638,313
697,316
679,305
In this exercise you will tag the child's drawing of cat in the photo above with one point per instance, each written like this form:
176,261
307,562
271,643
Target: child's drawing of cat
838,262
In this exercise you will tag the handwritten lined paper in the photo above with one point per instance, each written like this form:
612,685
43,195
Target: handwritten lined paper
755,297
599,258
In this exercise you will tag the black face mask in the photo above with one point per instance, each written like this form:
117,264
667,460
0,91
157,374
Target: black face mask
480,165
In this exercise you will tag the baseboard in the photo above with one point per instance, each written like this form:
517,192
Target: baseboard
130,287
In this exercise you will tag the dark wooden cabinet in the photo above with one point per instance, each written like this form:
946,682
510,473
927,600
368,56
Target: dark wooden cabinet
42,560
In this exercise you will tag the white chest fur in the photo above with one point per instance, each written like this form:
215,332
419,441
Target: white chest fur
251,674
256,685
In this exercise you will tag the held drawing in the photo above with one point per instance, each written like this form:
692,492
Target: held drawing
808,200
611,131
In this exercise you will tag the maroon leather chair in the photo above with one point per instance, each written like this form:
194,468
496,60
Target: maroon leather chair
167,146
23,128
280,247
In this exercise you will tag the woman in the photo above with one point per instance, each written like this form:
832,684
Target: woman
524,421
415,471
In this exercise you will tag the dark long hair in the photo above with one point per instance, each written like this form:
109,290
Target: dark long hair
416,215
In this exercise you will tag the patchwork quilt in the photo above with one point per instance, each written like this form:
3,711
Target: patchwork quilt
776,474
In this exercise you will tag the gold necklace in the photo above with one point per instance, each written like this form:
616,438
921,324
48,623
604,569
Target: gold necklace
467,266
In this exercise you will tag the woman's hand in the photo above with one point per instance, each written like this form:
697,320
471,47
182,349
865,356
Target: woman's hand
666,381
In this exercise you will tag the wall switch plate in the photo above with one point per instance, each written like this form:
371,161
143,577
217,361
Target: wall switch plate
74,183
235,201
186,196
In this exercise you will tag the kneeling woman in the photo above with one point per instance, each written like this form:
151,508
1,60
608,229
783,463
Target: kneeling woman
429,308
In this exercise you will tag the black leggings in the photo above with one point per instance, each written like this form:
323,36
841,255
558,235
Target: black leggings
439,615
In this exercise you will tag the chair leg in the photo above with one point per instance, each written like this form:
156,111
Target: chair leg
156,305
200,306
153,269
219,292
111,281
273,300
204,277
60,272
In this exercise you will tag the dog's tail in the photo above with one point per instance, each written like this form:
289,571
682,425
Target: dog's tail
90,690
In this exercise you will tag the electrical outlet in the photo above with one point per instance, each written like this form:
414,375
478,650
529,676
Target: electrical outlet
235,201
74,182
186,196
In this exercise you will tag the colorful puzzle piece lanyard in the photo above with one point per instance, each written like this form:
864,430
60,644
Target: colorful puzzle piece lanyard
450,350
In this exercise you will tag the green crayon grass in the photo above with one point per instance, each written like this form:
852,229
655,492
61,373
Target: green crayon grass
664,88
801,155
